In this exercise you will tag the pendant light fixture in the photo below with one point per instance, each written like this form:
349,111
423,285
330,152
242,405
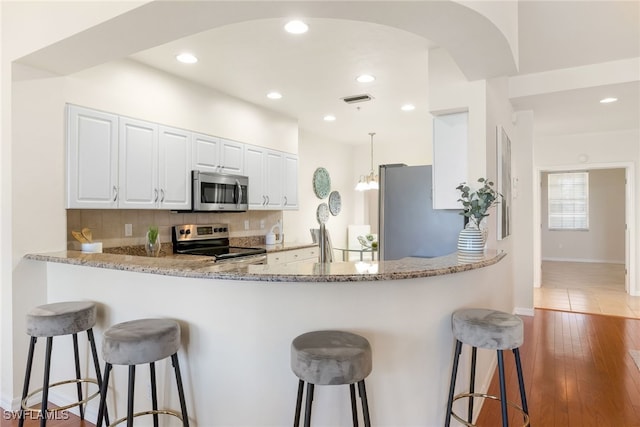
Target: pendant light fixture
368,182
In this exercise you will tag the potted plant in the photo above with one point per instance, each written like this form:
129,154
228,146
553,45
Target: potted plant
152,245
475,207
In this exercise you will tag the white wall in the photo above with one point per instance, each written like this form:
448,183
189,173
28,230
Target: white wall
315,151
604,240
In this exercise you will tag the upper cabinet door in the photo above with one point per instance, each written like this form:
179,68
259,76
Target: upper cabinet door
92,159
254,169
450,135
273,179
138,174
231,157
206,153
174,168
290,182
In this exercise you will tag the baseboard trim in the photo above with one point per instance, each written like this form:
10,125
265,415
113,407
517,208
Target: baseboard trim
522,311
599,261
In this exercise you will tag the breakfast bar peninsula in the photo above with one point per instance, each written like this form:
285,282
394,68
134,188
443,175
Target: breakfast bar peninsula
238,322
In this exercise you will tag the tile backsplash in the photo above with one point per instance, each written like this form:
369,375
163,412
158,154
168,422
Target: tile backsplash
108,225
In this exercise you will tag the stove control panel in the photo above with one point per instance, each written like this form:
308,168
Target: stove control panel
200,231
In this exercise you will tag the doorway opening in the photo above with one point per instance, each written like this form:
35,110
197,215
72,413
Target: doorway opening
590,268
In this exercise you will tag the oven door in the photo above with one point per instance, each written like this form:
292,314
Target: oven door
219,192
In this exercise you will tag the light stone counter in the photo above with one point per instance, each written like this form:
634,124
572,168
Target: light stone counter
204,268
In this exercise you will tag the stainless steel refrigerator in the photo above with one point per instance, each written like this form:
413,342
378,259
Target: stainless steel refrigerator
408,224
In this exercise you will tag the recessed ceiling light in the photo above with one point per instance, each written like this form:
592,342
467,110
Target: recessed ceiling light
296,27
365,78
329,118
274,95
608,100
187,58
408,107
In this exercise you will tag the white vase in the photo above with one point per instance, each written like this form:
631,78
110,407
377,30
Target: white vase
471,240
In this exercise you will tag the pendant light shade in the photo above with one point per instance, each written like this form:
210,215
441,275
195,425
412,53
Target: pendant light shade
370,181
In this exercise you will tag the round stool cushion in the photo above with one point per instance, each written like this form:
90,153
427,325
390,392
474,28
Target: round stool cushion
488,329
140,341
331,357
61,318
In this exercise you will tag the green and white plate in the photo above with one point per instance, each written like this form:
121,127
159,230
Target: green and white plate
321,183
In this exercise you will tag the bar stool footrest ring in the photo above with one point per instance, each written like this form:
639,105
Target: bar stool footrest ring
139,414
60,408
486,396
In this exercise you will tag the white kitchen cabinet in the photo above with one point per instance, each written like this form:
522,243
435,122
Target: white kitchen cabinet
174,171
293,256
450,136
138,164
254,169
290,182
273,179
92,158
264,169
154,166
213,154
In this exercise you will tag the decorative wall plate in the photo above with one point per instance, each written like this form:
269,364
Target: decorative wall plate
322,213
321,183
335,203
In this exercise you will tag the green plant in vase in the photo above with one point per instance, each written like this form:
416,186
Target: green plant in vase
152,245
476,204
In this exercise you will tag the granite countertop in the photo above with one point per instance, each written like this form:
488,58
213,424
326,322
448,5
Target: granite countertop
205,268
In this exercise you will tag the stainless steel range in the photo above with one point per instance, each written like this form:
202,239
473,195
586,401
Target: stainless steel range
213,240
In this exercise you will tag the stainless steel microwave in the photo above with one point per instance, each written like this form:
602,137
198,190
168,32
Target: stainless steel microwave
217,192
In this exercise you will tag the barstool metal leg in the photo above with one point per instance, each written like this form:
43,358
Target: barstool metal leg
354,406
523,393
132,380
102,408
365,404
183,403
296,416
96,365
307,407
452,386
154,392
76,357
472,383
503,390
27,379
45,383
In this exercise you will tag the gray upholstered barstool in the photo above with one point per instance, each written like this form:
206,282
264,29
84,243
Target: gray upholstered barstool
140,342
331,358
493,330
52,320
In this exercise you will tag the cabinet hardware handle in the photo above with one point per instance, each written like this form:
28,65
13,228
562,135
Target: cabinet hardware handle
155,191
267,200
264,200
285,200
115,193
162,195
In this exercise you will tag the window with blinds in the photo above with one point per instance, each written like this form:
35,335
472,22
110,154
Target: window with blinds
568,201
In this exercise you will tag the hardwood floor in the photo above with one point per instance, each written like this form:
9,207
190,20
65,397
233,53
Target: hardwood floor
578,372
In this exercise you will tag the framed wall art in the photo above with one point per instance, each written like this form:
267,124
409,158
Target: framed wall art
503,150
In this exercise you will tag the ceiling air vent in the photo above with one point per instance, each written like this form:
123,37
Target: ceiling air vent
357,98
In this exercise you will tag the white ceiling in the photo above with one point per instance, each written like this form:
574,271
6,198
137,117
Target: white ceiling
313,71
